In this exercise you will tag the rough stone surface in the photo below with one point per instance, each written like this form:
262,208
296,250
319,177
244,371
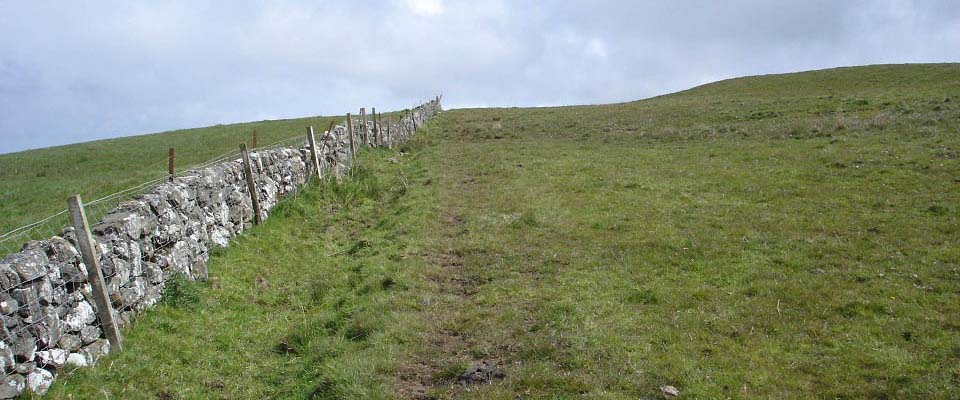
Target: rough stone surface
89,334
70,342
39,381
481,373
6,358
24,347
54,358
669,391
95,350
9,305
12,386
76,360
79,316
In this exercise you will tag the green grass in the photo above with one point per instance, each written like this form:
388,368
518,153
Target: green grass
787,236
296,308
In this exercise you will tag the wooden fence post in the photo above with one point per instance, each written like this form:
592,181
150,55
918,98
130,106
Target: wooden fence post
251,185
376,133
100,296
353,143
314,151
363,126
170,165
254,139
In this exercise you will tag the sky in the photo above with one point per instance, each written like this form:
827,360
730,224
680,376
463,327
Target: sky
74,71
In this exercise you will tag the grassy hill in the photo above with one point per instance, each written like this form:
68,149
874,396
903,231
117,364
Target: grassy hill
766,237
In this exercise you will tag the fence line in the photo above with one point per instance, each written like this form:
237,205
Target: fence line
143,235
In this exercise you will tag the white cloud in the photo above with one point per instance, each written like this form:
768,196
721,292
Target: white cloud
597,47
425,7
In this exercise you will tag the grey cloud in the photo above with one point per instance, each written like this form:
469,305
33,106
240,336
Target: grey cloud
76,71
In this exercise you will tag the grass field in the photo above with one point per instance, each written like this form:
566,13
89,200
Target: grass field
786,236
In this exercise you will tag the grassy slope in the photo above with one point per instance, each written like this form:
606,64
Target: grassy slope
781,236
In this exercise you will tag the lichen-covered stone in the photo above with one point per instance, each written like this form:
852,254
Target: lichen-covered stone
6,358
9,278
79,317
76,360
70,342
95,350
48,329
8,305
39,381
89,334
11,386
53,358
29,264
24,347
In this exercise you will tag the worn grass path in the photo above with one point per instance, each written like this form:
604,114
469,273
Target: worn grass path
741,240
824,266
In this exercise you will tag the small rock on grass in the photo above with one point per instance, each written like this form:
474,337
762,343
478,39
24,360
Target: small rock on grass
481,373
669,391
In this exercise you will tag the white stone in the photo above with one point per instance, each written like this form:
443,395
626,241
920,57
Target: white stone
76,360
54,358
79,316
6,357
39,381
669,391
12,386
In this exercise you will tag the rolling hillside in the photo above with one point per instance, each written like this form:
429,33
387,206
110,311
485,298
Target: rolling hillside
783,236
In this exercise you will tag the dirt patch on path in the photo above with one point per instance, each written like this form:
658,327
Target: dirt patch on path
428,374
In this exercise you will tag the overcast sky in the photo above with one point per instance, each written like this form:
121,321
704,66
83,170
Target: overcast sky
73,71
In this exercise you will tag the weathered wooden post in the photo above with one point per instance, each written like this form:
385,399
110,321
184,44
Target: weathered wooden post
170,164
376,133
254,139
363,126
314,151
251,185
353,143
99,288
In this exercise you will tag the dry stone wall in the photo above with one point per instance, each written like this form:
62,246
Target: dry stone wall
49,319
